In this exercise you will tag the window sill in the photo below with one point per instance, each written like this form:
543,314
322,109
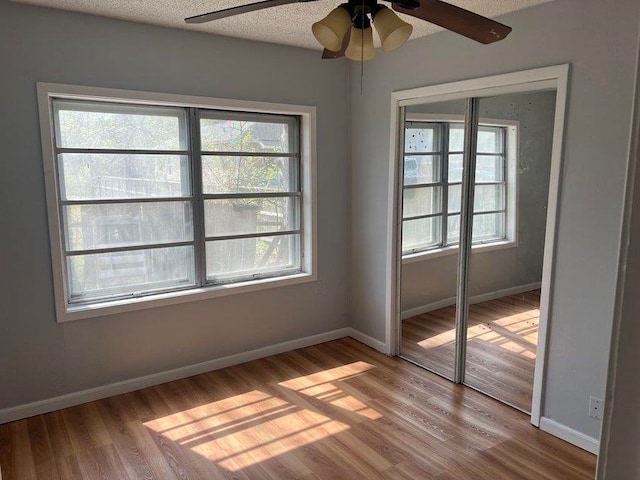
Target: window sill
442,252
79,312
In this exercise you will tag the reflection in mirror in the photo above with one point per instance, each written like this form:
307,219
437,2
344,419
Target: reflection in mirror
434,138
509,217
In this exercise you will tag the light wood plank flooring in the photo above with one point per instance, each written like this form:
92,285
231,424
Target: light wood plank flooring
501,347
338,410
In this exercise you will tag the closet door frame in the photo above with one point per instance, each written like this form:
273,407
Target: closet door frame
540,79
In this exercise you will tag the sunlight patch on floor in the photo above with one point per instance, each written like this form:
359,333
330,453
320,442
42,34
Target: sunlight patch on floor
235,431
246,429
323,386
483,333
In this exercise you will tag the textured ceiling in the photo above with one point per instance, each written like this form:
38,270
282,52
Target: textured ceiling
287,24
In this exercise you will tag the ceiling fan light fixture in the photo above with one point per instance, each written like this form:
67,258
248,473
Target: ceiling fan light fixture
360,45
393,31
331,29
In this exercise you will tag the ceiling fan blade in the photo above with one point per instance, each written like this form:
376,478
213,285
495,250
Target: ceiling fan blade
458,20
229,12
329,54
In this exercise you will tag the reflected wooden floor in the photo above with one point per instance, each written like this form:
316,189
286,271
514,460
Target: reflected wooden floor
501,348
334,411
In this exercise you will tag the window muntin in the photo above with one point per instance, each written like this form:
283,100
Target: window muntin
144,210
433,148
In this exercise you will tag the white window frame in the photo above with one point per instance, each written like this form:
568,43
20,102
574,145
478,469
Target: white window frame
512,151
68,312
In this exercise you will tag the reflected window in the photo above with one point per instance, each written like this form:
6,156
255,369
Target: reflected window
433,165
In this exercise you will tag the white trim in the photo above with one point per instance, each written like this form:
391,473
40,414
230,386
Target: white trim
548,262
367,340
394,249
449,117
69,400
478,248
82,92
540,79
484,297
570,435
102,309
429,307
309,178
65,312
513,182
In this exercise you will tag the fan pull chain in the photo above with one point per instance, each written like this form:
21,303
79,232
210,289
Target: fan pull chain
362,49
361,72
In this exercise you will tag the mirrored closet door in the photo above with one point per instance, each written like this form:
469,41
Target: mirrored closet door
475,186
513,160
431,190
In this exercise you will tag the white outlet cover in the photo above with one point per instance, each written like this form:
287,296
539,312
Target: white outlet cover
596,406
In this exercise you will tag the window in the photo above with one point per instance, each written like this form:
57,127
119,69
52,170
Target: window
433,185
157,199
251,192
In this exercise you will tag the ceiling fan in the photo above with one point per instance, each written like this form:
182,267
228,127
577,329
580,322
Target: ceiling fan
346,30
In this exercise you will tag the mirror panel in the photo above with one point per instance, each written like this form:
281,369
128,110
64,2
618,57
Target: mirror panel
433,147
513,162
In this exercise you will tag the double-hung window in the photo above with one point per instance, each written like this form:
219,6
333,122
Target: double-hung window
250,168
152,200
433,159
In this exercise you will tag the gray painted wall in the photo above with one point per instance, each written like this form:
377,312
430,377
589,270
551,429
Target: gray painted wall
623,448
40,358
434,279
600,42
620,447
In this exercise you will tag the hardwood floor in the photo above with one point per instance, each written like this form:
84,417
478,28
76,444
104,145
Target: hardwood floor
338,410
501,345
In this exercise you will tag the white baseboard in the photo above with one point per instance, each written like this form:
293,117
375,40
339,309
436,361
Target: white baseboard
485,297
430,307
69,400
367,340
570,435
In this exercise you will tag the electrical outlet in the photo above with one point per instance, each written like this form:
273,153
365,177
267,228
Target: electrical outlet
595,408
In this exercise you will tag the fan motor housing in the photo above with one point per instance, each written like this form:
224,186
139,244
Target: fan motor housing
371,7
